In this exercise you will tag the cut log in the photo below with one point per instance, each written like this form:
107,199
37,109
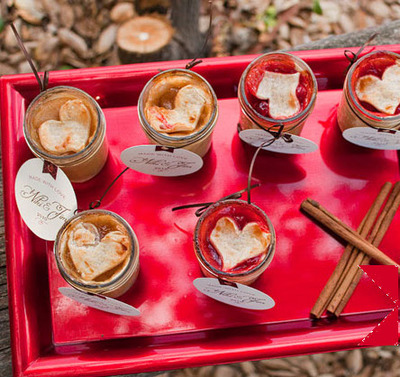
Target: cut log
143,39
186,42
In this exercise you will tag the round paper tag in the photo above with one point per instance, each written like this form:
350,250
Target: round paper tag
100,302
45,197
161,161
372,138
234,294
298,144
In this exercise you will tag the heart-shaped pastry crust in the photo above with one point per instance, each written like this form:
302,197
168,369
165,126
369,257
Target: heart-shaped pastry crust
189,103
280,90
236,246
70,133
383,94
93,256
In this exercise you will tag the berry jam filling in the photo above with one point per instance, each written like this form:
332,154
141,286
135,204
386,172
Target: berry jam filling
376,65
242,214
286,66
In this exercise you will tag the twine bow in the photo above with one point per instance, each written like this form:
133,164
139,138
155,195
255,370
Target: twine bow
353,57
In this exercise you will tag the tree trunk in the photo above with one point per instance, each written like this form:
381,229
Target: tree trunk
185,19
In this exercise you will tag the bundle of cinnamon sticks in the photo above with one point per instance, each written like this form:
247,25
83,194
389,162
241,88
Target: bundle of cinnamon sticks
362,247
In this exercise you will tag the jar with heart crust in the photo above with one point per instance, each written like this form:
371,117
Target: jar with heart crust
276,89
371,90
234,241
66,126
97,252
178,108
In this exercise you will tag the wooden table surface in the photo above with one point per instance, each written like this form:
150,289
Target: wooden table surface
5,351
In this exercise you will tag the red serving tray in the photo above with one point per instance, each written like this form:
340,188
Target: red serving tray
179,327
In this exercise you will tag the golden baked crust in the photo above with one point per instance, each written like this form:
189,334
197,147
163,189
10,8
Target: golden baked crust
188,105
235,246
178,105
95,248
280,90
70,133
383,94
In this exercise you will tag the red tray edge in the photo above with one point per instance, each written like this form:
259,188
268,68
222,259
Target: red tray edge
43,366
81,73
24,361
19,362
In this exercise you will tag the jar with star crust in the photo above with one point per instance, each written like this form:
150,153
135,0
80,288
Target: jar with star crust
234,241
178,108
276,89
97,252
66,126
370,95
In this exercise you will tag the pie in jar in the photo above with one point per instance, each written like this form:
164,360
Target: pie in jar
234,241
97,251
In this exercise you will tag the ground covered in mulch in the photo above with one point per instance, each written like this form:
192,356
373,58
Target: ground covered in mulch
63,34
374,362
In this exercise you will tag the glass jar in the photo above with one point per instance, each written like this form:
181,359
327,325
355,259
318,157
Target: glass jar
112,282
354,113
209,259
161,92
255,112
79,166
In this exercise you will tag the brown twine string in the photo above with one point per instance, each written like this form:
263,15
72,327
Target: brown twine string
276,135
196,60
42,82
353,57
204,206
97,203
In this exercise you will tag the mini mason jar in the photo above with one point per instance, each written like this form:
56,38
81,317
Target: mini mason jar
255,112
79,166
353,112
79,251
211,262
161,92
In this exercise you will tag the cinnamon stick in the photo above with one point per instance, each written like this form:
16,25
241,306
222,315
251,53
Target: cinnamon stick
314,209
345,261
377,234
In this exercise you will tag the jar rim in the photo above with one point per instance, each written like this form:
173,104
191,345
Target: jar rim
224,274
82,153
254,114
134,257
181,139
353,96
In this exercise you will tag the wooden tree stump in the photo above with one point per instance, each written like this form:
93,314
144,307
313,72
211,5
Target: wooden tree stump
143,39
184,43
